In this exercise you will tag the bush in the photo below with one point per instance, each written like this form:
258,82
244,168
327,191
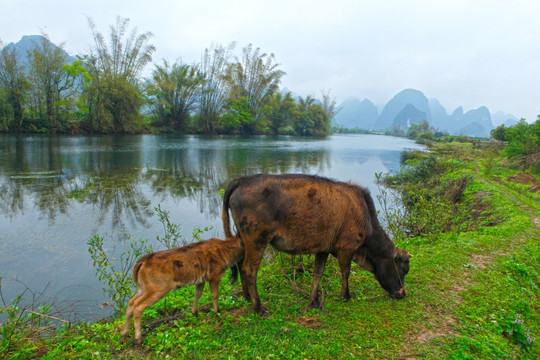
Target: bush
523,143
427,200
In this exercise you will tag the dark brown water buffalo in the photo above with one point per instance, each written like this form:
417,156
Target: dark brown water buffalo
303,214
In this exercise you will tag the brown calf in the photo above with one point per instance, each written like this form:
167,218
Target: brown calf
158,273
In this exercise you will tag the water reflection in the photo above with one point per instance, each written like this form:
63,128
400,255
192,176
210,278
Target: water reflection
48,174
56,192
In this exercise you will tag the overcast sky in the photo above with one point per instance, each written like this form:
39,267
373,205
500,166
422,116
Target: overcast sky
469,53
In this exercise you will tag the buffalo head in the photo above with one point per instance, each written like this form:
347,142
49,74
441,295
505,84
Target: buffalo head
389,271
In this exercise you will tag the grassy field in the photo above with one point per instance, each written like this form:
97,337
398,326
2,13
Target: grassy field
472,290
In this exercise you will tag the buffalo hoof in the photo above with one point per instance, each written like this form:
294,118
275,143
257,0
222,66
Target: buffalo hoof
315,305
262,311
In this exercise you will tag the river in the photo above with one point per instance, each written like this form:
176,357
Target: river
56,192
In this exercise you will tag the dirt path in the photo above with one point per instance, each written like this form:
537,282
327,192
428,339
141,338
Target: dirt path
441,322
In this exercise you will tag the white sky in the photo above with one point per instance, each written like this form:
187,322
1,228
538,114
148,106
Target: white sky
469,53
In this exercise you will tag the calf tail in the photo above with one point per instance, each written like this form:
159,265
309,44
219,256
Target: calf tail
225,211
138,265
136,269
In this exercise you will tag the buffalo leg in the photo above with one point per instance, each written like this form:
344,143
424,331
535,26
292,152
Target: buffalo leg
344,260
198,292
320,263
245,290
251,266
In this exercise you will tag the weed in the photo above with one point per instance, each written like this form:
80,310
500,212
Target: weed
173,236
520,334
26,318
116,272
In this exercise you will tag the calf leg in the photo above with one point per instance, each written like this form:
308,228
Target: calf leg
320,263
147,299
198,292
129,313
214,289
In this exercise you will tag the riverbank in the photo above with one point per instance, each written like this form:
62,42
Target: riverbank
473,287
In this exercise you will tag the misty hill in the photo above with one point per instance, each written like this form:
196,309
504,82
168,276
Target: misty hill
500,118
412,106
415,102
29,42
354,113
407,116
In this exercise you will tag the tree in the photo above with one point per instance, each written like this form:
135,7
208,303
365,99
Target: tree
329,104
499,133
213,89
313,119
51,82
13,87
283,112
254,77
114,98
238,117
174,93
420,131
125,57
523,139
321,121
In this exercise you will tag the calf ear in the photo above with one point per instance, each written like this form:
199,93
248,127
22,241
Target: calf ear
363,262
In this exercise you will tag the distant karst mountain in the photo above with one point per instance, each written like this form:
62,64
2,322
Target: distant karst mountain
407,102
500,118
357,114
412,106
28,42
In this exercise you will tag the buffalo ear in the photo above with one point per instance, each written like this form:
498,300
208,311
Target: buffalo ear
402,255
364,262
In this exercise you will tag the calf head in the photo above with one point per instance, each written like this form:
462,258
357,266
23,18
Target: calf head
390,272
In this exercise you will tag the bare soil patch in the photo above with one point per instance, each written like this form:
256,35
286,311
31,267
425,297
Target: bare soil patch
526,179
310,322
480,260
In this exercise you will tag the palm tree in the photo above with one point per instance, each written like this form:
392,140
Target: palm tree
114,97
174,90
124,57
213,89
254,77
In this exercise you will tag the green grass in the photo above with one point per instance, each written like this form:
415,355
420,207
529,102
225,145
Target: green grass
471,295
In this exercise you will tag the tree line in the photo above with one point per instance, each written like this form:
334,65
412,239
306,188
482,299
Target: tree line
103,91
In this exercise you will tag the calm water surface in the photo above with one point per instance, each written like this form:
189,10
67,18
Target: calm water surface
57,192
